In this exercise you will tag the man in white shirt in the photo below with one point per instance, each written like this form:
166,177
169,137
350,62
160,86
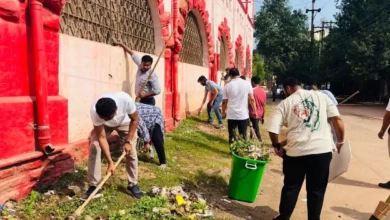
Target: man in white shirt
385,126
236,95
152,87
114,111
307,152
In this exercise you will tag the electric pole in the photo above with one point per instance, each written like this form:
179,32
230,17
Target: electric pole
312,10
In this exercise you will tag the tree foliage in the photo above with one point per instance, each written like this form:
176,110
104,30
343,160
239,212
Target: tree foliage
283,39
259,68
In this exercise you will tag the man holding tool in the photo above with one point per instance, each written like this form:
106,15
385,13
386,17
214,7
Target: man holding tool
385,126
151,130
215,101
114,111
307,153
152,88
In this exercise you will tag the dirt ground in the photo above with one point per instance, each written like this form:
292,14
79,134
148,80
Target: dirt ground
354,195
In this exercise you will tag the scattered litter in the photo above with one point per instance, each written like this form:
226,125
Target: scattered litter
50,192
122,212
2,207
188,204
225,200
76,171
69,198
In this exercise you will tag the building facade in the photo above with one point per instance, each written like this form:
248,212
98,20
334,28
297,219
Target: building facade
56,58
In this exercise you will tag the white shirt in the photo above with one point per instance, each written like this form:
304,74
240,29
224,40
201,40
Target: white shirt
305,115
236,92
125,106
388,106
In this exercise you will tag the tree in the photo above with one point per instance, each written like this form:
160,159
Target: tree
259,68
283,39
359,47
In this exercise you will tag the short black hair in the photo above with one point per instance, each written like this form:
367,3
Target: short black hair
227,68
105,107
291,82
202,78
243,77
147,59
234,72
256,80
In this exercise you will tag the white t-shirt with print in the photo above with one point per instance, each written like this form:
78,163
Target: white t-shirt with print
388,106
125,105
305,114
236,92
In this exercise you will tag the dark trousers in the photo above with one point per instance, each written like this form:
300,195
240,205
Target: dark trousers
255,125
148,101
242,128
273,97
316,169
158,143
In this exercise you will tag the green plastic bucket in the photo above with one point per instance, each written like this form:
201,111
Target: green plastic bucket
245,178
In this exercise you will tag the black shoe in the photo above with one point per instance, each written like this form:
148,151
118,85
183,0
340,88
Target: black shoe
90,191
279,217
385,185
134,191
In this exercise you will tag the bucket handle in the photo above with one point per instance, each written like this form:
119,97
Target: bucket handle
250,166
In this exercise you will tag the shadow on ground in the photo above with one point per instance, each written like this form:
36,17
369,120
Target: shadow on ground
214,188
351,213
344,181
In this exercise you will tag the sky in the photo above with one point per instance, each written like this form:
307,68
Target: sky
328,8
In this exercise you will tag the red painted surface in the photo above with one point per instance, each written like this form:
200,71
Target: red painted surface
243,5
224,30
240,49
40,75
175,60
249,57
17,117
18,179
29,36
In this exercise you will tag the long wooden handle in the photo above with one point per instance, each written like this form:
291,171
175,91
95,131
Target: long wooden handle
350,97
81,208
137,99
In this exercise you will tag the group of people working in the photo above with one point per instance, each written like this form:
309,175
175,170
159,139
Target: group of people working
118,112
306,153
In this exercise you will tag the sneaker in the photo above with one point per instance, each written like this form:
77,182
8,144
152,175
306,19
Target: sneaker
134,191
218,126
163,166
385,185
90,191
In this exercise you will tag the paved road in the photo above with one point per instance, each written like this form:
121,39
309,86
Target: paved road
354,195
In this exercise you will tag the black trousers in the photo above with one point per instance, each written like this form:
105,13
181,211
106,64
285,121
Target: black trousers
148,101
255,125
158,143
242,129
316,169
273,97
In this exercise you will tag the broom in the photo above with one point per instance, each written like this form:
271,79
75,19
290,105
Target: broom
381,210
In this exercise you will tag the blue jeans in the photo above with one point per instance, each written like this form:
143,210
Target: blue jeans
217,103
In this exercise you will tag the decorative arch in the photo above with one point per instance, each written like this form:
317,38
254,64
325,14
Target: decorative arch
198,7
224,34
248,65
240,54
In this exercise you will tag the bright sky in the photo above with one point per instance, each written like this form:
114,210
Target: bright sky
328,8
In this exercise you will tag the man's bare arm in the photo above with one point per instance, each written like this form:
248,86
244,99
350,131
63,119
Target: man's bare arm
338,125
252,102
128,50
204,101
132,126
385,124
103,143
224,106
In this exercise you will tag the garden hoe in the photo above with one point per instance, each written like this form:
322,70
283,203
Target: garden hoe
80,210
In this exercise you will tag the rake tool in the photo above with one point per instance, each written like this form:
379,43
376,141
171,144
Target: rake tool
80,209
